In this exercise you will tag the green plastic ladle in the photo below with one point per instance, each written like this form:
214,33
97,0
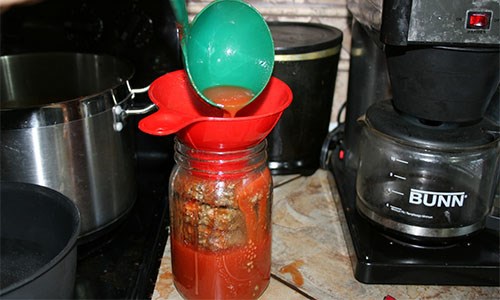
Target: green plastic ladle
228,44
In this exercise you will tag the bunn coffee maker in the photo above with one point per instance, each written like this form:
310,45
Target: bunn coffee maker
416,160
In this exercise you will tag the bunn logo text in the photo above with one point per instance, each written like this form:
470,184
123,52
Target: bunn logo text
437,199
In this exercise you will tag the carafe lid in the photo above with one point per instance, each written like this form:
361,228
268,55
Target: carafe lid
382,117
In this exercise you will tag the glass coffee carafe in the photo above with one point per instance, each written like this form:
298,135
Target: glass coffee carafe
426,180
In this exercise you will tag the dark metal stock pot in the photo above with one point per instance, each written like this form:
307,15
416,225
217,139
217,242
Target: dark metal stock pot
63,127
38,235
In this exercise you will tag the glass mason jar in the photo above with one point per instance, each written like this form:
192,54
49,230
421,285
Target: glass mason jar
220,210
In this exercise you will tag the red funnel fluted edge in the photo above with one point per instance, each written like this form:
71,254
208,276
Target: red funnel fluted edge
201,126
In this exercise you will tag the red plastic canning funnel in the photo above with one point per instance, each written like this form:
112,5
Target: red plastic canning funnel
201,126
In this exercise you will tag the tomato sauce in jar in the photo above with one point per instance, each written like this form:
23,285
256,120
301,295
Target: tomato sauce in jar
240,273
220,205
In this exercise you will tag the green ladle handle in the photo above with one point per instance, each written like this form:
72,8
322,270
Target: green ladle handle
180,12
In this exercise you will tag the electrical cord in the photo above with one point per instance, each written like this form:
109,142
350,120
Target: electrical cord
333,140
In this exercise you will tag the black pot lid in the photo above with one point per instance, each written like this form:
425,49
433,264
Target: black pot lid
409,130
295,37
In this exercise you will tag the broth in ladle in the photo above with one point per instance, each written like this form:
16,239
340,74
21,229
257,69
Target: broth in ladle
230,98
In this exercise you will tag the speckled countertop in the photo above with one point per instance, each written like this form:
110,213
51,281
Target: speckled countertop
309,254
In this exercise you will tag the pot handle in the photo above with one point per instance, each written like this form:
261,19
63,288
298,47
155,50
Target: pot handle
121,114
362,120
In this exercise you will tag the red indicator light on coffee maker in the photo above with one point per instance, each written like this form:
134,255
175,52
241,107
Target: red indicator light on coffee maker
341,154
478,20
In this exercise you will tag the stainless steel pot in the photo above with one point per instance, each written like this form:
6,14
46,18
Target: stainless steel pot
62,127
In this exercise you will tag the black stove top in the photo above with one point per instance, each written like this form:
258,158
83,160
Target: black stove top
123,263
378,259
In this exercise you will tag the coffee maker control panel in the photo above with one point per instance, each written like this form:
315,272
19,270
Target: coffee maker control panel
443,22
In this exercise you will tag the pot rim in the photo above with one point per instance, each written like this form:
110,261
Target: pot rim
75,108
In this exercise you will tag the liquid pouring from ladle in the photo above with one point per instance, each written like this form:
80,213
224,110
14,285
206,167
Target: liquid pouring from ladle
228,52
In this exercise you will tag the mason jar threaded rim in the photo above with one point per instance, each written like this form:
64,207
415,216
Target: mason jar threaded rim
220,161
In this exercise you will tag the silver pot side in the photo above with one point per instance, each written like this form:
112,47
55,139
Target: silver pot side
72,146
